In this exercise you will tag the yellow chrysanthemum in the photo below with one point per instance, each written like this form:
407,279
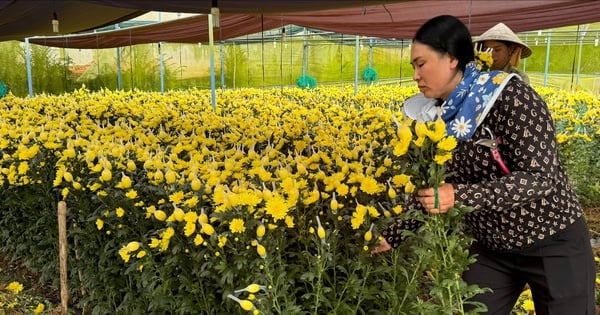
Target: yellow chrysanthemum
289,221
176,197
370,186
439,131
39,308
447,144
442,159
277,207
189,228
14,287
132,194
400,180
397,209
421,129
419,142
222,241
313,197
99,224
237,226
198,240
154,242
125,182
125,256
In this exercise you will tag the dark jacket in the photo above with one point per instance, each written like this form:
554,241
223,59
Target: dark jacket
520,210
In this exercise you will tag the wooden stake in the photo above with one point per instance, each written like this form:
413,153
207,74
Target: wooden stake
62,249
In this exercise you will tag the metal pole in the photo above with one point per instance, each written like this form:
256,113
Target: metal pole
579,53
370,52
28,63
119,74
161,68
211,49
222,67
549,36
356,48
304,55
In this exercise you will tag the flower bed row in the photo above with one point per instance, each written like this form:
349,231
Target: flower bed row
270,204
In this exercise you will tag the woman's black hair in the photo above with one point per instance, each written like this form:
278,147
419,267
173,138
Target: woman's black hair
447,34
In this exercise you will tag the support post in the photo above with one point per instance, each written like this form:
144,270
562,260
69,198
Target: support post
62,248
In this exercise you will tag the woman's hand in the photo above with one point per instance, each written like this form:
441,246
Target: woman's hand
383,246
445,196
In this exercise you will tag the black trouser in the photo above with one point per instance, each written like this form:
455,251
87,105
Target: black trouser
561,274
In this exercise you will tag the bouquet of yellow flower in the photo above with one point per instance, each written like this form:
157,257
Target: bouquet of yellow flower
483,58
439,249
426,152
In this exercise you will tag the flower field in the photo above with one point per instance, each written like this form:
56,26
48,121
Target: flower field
269,204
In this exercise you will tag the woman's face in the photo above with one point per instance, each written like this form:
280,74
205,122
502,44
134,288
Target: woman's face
500,53
436,74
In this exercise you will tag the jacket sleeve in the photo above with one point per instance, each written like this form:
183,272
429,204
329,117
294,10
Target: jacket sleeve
394,234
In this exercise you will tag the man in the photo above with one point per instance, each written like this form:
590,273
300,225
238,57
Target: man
507,49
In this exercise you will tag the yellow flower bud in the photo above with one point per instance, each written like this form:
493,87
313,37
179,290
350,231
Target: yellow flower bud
334,204
262,251
207,229
68,176
170,177
260,231
368,236
246,305
106,175
321,232
252,288
392,193
160,215
196,184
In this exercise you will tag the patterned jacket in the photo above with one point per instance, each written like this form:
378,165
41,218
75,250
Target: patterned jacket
517,211
510,69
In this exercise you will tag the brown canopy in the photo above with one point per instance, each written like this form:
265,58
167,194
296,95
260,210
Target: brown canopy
399,19
26,18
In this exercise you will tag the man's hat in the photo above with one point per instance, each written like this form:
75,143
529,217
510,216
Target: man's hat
501,32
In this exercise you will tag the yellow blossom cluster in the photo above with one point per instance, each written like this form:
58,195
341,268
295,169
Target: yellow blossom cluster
264,162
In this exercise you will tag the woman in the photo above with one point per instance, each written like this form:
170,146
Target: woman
507,49
527,221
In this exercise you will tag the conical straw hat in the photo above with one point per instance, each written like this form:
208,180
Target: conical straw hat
501,32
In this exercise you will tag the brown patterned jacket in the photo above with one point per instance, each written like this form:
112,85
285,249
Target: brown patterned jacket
516,211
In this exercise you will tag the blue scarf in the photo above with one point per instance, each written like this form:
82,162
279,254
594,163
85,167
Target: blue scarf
471,100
